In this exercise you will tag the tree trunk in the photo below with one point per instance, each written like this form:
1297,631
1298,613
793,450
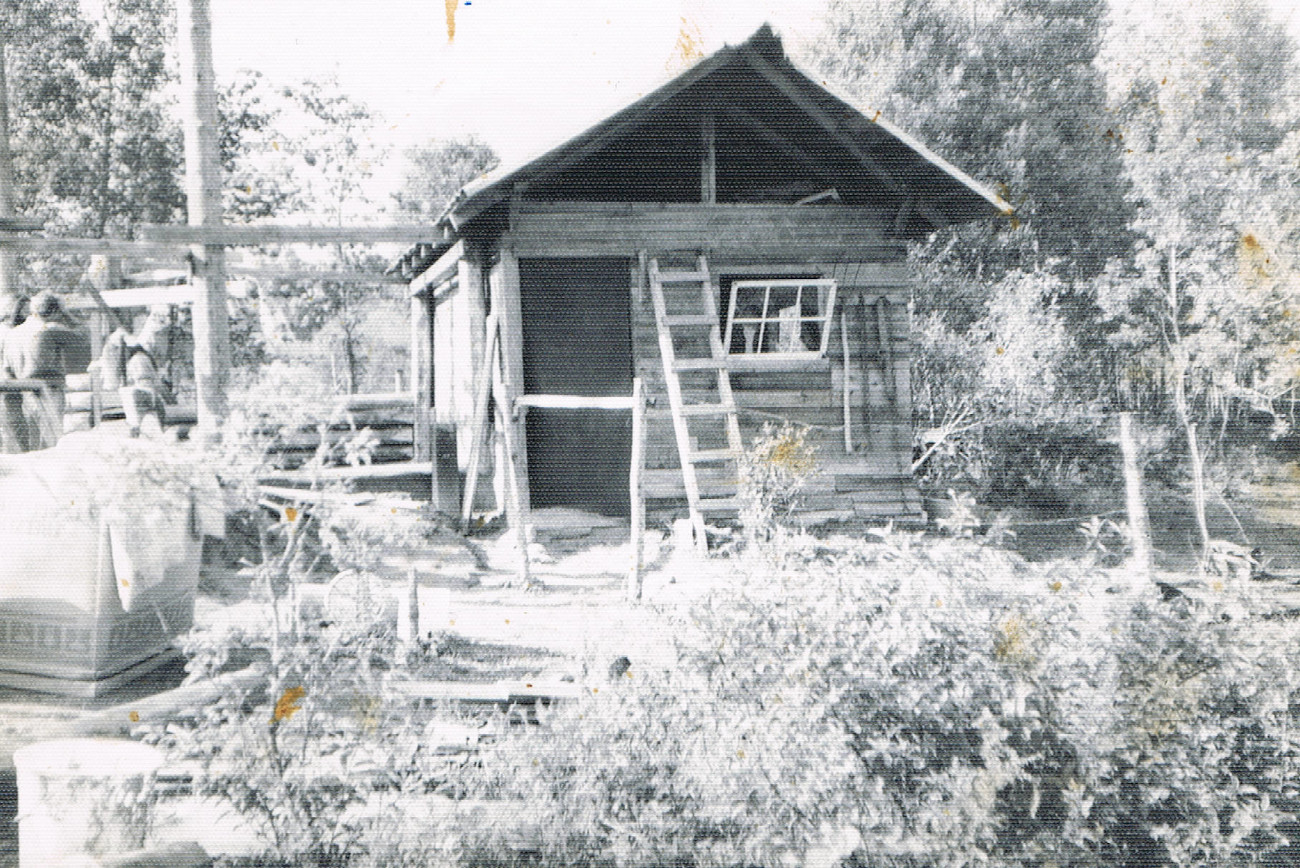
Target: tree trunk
1139,532
203,208
1194,457
8,277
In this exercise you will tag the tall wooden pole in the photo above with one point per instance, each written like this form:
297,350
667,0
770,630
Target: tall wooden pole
1139,529
203,208
8,278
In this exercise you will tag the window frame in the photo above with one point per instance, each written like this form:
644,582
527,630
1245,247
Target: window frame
768,319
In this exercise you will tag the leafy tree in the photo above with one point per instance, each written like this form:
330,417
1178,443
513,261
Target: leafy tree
260,178
95,151
434,174
1204,309
1012,93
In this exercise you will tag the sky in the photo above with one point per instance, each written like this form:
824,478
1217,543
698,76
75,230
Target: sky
522,75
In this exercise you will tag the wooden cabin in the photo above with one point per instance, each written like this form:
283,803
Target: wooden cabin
735,239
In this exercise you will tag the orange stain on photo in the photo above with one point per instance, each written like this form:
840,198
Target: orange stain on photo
287,705
451,19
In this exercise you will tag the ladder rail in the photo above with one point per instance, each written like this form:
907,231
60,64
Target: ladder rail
674,388
725,407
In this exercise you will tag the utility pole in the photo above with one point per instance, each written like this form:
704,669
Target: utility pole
203,208
8,289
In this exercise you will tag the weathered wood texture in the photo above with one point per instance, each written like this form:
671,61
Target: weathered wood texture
872,482
760,232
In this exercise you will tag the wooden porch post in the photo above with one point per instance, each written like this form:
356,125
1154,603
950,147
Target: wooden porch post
422,376
203,208
503,282
637,513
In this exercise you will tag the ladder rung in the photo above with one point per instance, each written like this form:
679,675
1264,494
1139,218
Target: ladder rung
701,456
704,364
683,276
707,409
689,319
719,504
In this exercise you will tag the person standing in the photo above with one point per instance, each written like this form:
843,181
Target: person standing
46,347
13,427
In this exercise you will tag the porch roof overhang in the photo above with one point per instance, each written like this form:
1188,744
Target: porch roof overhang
937,189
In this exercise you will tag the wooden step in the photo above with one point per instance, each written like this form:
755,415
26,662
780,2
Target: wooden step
708,409
719,504
683,276
703,456
707,364
689,319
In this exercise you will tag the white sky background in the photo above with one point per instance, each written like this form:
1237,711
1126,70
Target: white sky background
521,74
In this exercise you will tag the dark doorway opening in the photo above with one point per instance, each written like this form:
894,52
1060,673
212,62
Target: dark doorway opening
577,325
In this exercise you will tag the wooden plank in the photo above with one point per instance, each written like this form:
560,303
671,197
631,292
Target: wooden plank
479,423
886,178
503,284
421,354
773,231
682,434
576,402
501,692
313,275
635,491
49,246
844,389
240,236
515,468
708,160
782,144
445,267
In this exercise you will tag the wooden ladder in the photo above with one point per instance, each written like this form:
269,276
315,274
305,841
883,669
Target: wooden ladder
702,318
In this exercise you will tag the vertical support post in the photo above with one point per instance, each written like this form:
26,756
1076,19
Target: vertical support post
469,279
708,160
637,512
504,285
480,424
1137,511
516,507
886,350
420,356
8,286
203,208
848,409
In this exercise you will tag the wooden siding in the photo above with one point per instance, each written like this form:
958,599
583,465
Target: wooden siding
873,482
759,232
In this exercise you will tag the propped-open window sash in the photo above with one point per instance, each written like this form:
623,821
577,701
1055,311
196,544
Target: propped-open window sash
779,320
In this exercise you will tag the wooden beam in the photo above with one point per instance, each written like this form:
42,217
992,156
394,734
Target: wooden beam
479,423
636,517
445,266
266,272
828,123
771,231
574,402
708,160
781,143
239,236
203,175
504,286
141,296
91,247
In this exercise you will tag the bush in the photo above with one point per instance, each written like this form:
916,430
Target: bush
929,704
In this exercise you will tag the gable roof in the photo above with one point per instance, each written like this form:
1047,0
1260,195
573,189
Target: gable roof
935,188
